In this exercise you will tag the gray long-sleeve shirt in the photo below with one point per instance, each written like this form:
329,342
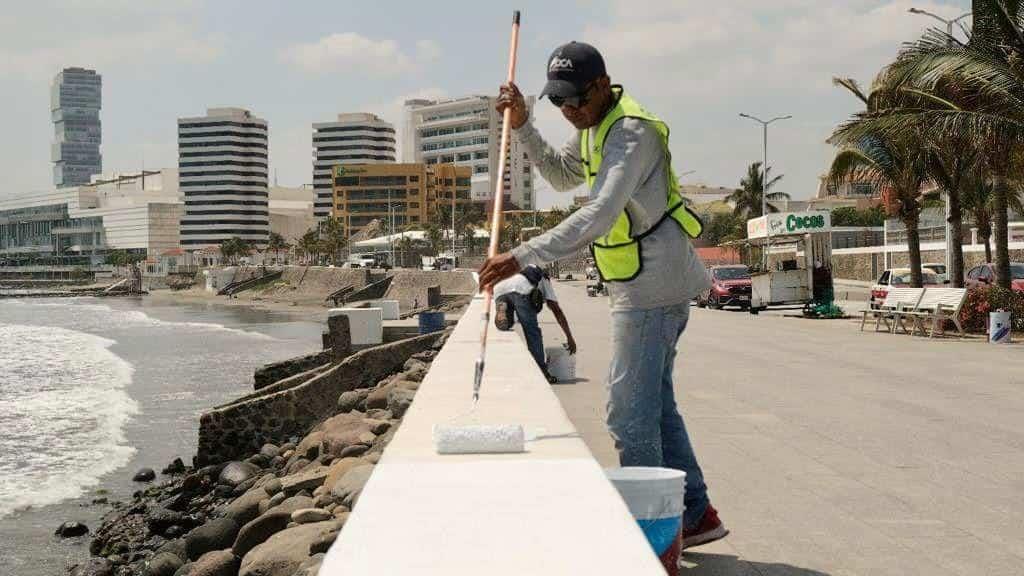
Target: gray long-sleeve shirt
633,176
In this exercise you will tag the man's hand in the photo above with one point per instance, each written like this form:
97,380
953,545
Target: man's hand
497,269
510,97
571,345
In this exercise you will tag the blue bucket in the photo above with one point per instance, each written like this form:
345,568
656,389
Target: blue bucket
431,322
654,497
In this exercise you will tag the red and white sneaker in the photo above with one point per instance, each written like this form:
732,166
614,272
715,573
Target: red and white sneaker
709,529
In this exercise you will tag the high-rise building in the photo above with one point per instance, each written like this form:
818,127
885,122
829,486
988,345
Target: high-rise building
222,170
467,132
396,194
76,96
354,139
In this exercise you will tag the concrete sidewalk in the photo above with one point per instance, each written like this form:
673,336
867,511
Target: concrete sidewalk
831,451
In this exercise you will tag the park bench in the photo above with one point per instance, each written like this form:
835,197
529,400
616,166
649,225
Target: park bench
896,300
936,305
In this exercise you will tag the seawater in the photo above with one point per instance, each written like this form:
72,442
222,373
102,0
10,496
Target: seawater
91,389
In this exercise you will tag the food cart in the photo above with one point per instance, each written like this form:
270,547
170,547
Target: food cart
799,248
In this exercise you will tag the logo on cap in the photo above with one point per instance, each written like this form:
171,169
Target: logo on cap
560,64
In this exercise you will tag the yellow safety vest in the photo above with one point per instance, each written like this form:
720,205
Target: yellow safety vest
618,254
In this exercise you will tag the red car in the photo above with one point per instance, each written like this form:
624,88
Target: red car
730,286
985,275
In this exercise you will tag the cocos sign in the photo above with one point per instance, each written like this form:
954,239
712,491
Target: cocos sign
794,223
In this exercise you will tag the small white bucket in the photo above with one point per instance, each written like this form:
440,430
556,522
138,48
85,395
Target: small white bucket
999,327
561,364
654,497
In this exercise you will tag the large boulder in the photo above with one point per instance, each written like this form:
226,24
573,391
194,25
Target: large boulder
353,400
399,400
71,530
94,567
378,397
256,532
342,431
309,448
347,489
415,370
237,472
144,475
160,519
176,547
308,479
339,468
292,504
163,564
270,451
215,563
285,552
311,515
247,506
311,567
175,467
216,534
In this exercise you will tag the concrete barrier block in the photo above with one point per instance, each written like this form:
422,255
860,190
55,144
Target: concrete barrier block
366,325
389,308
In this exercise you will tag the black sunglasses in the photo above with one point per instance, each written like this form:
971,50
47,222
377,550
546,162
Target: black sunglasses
577,101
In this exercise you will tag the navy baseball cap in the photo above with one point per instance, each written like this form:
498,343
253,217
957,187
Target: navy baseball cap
571,68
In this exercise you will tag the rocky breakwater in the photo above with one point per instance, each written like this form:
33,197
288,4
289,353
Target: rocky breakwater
272,513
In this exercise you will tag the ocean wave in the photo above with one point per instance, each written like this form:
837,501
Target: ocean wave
63,409
131,318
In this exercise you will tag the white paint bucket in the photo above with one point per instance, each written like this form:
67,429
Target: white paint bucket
654,497
561,364
999,327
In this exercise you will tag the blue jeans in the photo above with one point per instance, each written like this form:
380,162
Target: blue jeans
531,327
642,415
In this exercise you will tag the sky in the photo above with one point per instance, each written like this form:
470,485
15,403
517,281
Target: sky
694,63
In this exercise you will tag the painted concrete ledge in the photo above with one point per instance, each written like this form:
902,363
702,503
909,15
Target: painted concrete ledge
547,511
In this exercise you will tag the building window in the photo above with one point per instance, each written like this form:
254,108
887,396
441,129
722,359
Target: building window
414,204
464,157
480,170
414,178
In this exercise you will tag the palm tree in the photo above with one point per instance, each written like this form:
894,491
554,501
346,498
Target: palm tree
332,238
233,248
309,244
894,162
981,88
276,243
747,198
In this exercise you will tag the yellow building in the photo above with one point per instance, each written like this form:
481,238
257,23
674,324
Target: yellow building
363,193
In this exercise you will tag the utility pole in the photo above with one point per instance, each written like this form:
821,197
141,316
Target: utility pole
764,183
949,225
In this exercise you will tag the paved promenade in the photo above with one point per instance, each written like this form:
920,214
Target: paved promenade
831,451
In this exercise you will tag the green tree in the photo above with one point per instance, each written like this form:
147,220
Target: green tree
332,239
276,243
850,216
234,248
747,198
309,245
724,227
894,161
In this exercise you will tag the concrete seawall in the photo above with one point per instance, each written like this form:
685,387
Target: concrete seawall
549,510
290,407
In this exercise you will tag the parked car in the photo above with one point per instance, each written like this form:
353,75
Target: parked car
898,278
985,274
939,270
730,286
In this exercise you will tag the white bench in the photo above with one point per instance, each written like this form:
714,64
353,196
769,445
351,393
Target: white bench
896,301
937,305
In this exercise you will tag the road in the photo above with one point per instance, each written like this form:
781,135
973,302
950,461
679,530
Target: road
832,451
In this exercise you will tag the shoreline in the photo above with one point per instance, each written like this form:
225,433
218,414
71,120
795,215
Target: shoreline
198,296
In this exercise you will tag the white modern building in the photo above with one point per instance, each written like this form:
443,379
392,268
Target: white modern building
222,162
76,96
357,138
137,212
291,211
467,132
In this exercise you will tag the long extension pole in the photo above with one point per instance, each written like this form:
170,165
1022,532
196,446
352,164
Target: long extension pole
497,216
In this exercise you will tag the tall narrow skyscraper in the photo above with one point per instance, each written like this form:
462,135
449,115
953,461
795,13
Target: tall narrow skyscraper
354,139
222,171
76,96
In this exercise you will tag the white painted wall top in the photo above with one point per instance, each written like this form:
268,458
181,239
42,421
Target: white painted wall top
549,510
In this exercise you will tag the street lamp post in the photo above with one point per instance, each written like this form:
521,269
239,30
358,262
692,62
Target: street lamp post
764,182
949,225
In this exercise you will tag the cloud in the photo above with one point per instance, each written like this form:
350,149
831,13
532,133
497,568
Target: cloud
427,51
394,111
353,52
168,37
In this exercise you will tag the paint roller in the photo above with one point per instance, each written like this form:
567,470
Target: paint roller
482,438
